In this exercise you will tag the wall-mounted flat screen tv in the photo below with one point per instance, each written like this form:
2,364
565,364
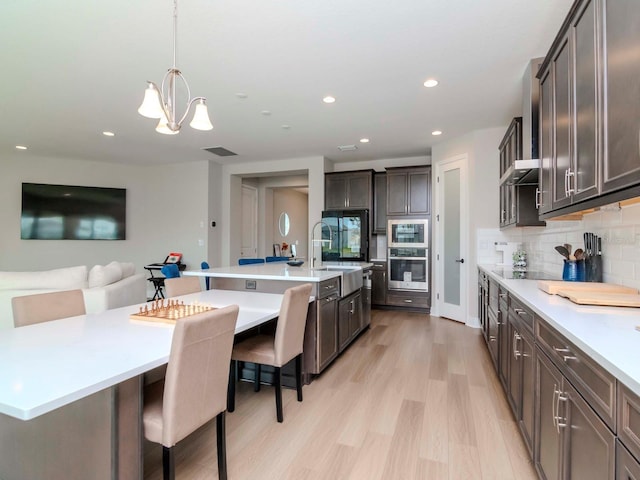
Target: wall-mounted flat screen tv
66,212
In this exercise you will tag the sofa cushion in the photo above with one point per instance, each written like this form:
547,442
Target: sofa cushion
68,278
127,268
99,275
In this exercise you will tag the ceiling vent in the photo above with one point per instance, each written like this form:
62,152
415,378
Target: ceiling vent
347,148
220,151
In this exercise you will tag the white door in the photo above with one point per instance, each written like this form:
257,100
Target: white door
452,227
249,247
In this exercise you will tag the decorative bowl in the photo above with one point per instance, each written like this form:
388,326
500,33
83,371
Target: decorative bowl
295,263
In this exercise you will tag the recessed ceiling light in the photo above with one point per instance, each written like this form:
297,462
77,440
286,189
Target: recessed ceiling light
286,127
109,134
329,99
436,132
241,95
364,140
431,82
266,113
21,147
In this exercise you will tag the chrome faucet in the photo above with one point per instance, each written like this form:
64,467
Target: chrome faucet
313,240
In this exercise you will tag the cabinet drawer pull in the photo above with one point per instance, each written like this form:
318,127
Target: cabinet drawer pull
492,338
538,198
502,295
516,352
408,300
561,350
554,417
569,357
561,422
519,311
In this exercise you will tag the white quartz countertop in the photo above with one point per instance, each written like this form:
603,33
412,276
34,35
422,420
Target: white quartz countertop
279,271
607,334
51,364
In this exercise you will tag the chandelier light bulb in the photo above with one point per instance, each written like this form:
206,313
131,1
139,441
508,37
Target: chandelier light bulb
163,127
160,102
151,107
201,117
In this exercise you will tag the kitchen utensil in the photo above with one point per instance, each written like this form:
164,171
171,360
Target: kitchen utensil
562,250
568,247
579,254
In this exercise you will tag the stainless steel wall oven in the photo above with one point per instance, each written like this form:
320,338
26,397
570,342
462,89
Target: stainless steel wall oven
408,268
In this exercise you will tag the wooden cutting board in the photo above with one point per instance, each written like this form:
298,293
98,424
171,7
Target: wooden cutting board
603,299
552,287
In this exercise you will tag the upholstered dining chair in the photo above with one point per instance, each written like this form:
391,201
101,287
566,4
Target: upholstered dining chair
182,286
205,266
195,387
43,307
277,259
250,261
277,350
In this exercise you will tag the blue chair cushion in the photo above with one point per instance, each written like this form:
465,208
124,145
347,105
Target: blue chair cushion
277,259
249,261
205,266
170,270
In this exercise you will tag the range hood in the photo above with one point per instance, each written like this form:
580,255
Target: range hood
525,170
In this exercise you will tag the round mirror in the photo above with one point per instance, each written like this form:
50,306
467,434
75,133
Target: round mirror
283,224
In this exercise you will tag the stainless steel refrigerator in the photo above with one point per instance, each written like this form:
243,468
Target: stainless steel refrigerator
347,238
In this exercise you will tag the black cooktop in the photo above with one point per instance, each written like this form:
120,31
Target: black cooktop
524,274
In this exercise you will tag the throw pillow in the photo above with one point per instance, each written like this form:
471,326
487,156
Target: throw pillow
127,268
100,276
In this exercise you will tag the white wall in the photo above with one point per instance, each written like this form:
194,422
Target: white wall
481,149
295,204
167,210
313,167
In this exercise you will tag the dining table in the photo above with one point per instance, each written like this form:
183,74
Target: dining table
71,389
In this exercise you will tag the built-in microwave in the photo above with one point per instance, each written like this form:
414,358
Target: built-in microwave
408,233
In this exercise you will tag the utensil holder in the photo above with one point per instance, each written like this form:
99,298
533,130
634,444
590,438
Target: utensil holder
593,268
574,271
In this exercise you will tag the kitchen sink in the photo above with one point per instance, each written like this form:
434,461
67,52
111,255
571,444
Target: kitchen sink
351,278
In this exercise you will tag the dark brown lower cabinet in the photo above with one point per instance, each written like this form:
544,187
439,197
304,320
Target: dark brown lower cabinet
520,386
571,440
627,467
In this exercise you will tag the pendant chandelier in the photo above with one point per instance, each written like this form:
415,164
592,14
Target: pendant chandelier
160,103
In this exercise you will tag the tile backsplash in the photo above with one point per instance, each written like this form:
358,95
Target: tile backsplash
619,229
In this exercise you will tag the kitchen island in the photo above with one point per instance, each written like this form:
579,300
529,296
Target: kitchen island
341,309
70,389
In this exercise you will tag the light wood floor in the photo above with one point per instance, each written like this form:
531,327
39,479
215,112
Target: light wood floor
415,397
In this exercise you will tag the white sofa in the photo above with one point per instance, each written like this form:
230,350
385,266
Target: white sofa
104,287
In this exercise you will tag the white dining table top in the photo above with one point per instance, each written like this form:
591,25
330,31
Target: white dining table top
48,365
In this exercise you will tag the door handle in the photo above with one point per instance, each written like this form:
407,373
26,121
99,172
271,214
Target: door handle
460,260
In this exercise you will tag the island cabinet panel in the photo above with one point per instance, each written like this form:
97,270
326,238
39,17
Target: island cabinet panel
348,190
621,165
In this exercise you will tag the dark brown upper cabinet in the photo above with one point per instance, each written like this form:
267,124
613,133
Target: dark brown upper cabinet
409,191
348,190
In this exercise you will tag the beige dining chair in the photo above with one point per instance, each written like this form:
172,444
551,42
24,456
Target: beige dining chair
181,286
194,390
276,350
43,307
